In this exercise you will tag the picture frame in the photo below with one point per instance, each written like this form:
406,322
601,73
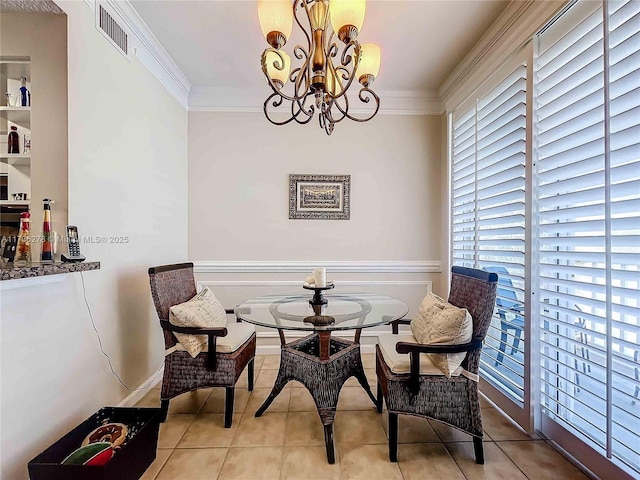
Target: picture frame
319,197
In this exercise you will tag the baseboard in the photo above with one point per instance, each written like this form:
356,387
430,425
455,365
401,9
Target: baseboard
135,396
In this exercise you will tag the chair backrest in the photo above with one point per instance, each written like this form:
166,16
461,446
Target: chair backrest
474,290
171,285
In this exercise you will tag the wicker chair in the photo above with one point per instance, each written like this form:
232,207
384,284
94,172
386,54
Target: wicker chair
453,401
229,350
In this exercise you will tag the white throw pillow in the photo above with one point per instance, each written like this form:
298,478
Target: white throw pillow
204,311
440,323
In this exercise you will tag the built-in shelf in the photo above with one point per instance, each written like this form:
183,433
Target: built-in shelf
15,168
21,116
15,159
35,269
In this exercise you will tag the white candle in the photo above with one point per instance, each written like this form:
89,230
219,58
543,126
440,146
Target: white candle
320,277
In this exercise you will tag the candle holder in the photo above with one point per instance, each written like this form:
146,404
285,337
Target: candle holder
318,299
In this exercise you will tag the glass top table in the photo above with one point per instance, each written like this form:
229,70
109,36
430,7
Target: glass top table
319,362
341,312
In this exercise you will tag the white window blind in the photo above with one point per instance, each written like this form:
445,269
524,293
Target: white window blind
488,217
587,190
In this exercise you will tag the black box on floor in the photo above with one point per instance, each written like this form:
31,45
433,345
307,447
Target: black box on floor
128,463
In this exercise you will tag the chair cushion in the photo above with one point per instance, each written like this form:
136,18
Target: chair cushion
440,323
204,311
400,363
237,334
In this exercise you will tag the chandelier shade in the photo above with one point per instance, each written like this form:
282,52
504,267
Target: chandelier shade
369,65
322,79
345,14
276,17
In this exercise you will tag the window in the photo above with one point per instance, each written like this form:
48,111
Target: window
587,194
568,233
488,217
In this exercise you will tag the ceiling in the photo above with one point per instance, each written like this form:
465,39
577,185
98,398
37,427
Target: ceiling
217,44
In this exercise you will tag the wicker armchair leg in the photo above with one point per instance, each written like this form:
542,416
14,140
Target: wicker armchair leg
379,398
228,406
393,437
479,450
164,409
250,374
328,443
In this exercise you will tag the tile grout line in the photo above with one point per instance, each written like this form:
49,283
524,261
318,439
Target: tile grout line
511,459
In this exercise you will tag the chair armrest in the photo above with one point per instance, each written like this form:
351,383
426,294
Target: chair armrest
407,347
415,349
211,334
215,331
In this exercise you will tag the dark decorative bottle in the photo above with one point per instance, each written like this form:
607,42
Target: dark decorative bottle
13,141
46,255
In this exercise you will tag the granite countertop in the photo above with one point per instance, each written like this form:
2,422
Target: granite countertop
36,269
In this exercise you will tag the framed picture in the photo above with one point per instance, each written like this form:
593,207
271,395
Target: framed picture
319,197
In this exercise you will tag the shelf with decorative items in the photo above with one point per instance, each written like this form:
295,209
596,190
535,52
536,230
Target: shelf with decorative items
15,130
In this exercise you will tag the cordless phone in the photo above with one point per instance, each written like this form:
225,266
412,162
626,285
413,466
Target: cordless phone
74,246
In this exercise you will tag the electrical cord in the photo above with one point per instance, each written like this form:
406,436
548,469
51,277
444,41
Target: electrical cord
93,324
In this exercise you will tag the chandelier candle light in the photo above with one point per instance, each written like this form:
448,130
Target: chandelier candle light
324,76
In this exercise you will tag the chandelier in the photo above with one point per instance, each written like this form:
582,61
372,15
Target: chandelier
325,75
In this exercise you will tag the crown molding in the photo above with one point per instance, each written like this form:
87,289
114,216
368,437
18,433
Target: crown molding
149,50
517,24
211,99
210,266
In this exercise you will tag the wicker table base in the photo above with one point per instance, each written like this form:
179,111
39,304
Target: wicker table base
303,360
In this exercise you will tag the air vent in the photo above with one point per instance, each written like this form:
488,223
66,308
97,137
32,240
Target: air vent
112,30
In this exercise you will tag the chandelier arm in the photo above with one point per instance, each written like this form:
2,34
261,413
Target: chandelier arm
276,89
343,111
299,52
302,74
325,123
305,4
301,108
365,91
294,114
276,104
350,75
346,57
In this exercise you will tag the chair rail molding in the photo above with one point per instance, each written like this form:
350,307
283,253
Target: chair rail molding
333,266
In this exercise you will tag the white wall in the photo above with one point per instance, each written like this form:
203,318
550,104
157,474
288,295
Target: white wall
242,163
127,178
239,166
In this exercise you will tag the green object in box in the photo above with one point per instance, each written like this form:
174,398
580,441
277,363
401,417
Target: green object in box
97,453
128,463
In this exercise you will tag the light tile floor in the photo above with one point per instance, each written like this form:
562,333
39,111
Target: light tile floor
287,442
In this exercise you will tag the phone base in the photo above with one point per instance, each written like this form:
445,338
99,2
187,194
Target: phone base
72,258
